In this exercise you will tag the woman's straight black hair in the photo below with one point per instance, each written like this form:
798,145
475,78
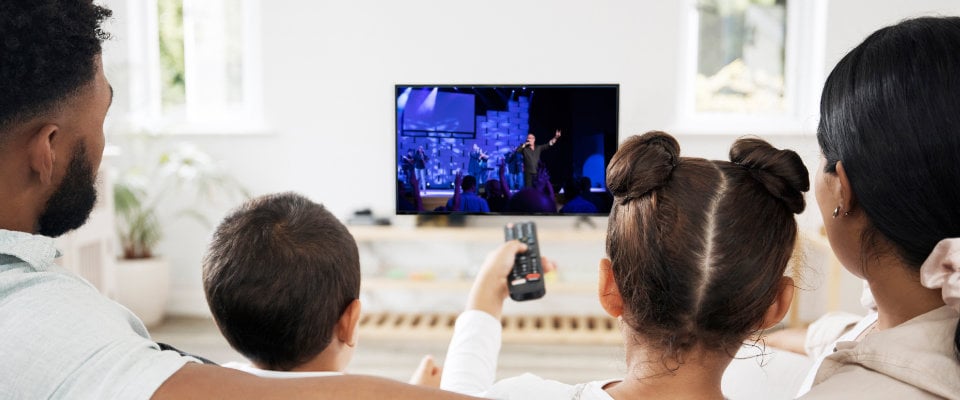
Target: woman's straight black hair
890,111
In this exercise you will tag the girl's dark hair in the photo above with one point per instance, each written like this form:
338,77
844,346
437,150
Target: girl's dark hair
890,111
698,247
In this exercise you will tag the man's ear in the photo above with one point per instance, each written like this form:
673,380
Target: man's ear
347,325
847,199
781,304
607,290
40,150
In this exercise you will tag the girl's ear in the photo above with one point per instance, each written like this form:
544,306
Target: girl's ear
607,290
781,304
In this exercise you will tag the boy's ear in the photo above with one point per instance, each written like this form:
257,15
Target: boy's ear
347,331
607,290
780,305
41,152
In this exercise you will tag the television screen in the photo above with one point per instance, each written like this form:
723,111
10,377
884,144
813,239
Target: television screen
505,149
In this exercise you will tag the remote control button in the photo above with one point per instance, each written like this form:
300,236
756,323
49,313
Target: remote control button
533,277
516,282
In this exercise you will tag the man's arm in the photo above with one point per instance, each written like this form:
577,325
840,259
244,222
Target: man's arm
457,180
501,173
417,199
196,381
555,137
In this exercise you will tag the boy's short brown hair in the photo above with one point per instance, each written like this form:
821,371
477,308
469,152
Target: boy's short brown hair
279,273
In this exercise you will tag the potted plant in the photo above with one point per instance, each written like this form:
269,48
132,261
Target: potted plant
179,181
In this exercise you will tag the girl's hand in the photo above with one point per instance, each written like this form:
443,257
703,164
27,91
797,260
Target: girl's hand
490,287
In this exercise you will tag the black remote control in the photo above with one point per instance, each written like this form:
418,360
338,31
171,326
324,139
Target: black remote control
526,279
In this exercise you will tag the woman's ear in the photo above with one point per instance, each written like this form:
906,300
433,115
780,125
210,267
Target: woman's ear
781,304
607,290
347,325
847,199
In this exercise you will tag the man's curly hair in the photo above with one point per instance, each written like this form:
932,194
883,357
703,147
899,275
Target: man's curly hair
47,53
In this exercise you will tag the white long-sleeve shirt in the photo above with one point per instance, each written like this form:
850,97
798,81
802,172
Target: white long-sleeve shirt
471,365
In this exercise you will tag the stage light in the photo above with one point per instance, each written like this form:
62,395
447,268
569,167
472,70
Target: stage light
402,99
429,103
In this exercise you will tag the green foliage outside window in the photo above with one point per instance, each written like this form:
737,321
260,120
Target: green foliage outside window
172,67
741,56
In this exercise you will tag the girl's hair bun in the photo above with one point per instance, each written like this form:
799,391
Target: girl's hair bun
642,163
781,172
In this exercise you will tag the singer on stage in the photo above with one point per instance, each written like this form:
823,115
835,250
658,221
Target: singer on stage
531,156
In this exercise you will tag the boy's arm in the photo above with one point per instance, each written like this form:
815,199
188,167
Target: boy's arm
196,381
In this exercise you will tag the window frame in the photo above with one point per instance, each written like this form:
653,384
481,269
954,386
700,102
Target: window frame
146,113
804,46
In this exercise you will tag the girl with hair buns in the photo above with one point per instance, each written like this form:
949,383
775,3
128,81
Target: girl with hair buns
888,189
696,250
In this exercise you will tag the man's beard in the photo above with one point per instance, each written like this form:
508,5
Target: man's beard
71,204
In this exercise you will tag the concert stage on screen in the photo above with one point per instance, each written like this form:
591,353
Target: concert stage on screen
517,149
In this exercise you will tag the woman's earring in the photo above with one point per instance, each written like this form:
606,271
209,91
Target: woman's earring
836,211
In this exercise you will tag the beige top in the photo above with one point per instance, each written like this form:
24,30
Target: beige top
915,360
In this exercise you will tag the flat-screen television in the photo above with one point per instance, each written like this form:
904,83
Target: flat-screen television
505,149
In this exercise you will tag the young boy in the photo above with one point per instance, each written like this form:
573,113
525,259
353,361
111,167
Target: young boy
282,278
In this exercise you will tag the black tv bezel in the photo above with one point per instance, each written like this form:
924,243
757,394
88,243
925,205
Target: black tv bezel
396,143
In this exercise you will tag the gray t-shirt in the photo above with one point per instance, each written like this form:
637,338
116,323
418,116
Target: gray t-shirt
61,339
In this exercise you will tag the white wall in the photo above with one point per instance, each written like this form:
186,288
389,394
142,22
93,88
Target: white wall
330,66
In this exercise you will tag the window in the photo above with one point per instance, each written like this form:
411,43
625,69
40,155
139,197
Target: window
752,65
740,56
197,63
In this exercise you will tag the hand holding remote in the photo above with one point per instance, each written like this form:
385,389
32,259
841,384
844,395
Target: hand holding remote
490,286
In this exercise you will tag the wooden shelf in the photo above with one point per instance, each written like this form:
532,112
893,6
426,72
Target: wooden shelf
397,234
463,286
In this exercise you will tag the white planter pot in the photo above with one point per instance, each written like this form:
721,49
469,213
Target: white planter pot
143,286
